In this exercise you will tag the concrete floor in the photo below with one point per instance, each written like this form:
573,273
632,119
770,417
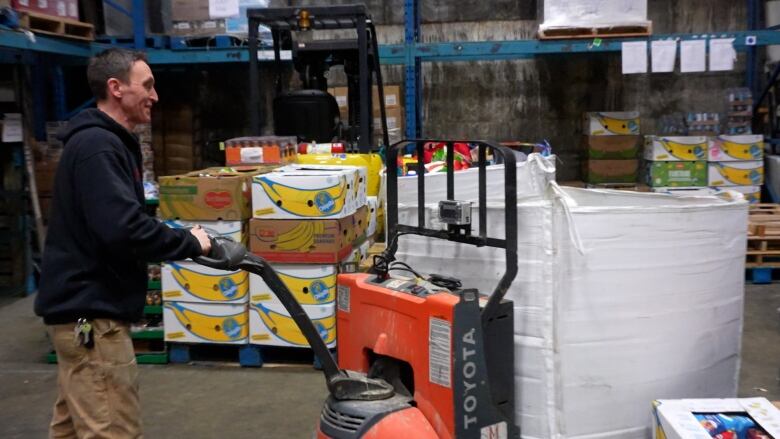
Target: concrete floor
272,402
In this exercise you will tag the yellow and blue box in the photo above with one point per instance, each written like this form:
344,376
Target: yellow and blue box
615,123
736,148
186,281
751,193
675,148
235,230
675,418
306,192
372,162
223,323
373,212
745,173
309,284
271,325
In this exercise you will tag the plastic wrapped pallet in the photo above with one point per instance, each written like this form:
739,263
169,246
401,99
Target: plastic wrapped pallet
560,13
620,299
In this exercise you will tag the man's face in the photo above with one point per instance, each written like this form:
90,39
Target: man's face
138,94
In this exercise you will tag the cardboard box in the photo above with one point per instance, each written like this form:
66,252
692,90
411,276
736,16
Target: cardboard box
309,284
393,98
751,193
271,325
55,8
235,230
736,148
186,281
610,171
675,148
674,418
189,10
210,194
676,174
611,147
745,173
222,323
395,119
45,173
372,162
611,123
198,28
359,254
309,191
239,24
373,211
317,241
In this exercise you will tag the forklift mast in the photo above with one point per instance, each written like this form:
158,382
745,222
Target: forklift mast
312,58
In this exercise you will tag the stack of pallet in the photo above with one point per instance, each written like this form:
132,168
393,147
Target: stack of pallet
59,18
763,237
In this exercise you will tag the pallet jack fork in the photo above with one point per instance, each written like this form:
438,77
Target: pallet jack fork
419,357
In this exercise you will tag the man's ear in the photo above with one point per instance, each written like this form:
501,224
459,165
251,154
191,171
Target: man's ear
114,88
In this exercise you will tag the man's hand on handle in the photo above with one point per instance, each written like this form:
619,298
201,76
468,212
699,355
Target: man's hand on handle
203,239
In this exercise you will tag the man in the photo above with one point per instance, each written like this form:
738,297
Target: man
94,274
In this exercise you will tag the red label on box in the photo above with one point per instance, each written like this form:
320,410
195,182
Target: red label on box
218,200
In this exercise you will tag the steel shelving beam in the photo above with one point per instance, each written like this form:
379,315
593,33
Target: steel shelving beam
412,71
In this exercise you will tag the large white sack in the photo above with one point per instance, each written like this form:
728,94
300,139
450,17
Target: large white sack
652,309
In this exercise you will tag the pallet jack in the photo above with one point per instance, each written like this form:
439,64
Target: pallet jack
420,356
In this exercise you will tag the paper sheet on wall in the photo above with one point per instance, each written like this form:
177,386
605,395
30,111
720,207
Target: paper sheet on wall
223,8
722,54
12,128
692,56
663,55
634,57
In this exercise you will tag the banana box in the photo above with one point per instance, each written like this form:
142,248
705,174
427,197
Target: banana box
359,254
315,241
736,148
271,325
224,323
372,162
752,194
748,173
676,148
309,284
675,418
210,194
676,174
235,230
373,212
186,281
611,123
359,187
293,193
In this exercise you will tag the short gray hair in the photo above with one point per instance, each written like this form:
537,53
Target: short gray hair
110,63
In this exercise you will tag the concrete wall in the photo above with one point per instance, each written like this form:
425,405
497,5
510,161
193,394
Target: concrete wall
544,98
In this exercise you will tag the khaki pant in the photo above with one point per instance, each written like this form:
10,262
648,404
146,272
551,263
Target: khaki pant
98,386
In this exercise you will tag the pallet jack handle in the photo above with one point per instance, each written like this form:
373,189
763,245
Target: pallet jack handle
455,233
229,255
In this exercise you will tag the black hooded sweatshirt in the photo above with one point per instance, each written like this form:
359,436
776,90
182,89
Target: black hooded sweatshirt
100,237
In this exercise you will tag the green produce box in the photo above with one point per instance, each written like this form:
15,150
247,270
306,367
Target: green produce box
611,147
610,171
676,174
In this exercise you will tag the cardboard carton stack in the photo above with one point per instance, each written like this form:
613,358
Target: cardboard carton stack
739,111
260,149
611,144
212,17
737,163
202,305
176,138
394,110
306,220
675,162
55,8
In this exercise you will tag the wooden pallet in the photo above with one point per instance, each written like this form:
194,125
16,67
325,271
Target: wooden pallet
580,32
764,220
57,26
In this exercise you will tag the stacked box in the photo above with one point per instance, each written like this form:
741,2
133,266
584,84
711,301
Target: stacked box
201,304
394,110
54,8
675,161
610,146
737,163
307,220
739,111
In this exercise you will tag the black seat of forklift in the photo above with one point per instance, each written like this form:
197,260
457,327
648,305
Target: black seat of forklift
311,115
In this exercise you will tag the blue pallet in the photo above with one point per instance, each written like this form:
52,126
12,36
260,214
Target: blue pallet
248,355
152,41
761,275
200,42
